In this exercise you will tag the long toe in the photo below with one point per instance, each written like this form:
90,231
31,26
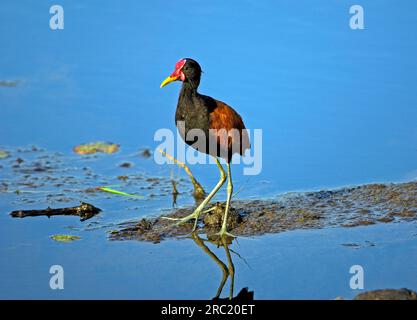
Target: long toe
171,219
187,218
224,233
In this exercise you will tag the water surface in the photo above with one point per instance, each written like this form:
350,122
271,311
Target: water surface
337,107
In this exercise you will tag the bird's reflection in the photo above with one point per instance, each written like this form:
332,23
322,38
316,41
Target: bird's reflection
227,270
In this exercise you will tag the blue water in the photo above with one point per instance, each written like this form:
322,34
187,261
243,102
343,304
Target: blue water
337,107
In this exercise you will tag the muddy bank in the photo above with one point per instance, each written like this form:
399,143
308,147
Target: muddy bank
345,207
387,294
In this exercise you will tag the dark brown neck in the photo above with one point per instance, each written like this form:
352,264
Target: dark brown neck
187,93
189,88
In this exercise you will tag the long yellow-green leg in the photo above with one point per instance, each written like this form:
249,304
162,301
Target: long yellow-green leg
223,230
195,215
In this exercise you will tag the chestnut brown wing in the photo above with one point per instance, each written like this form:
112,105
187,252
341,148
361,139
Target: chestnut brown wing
230,132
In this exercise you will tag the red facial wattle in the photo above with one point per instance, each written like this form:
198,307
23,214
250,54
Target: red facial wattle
178,70
177,74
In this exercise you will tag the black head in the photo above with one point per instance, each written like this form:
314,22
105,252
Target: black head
192,71
187,70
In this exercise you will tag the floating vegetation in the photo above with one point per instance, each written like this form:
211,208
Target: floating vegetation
145,153
64,238
126,164
35,178
120,193
4,154
9,83
94,147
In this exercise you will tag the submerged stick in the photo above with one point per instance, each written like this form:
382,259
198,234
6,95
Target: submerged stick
174,185
84,211
175,192
198,189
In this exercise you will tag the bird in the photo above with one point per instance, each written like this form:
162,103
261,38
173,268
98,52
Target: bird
209,126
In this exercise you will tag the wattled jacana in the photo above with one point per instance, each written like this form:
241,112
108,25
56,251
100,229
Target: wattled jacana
209,126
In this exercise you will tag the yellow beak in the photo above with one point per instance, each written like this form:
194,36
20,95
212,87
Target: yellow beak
168,80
